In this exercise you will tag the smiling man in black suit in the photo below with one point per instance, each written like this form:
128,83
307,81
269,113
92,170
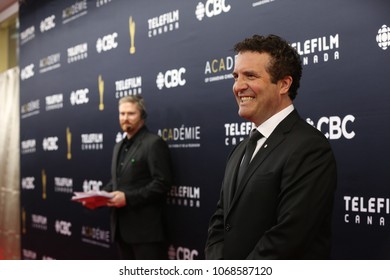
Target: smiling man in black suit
276,201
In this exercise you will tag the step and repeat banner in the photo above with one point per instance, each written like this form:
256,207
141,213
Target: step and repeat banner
77,58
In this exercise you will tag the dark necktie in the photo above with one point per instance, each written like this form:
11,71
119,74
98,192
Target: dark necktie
250,148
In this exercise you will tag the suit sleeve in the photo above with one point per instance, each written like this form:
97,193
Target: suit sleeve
159,164
215,239
305,206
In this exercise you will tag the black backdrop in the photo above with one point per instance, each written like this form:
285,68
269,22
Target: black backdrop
77,60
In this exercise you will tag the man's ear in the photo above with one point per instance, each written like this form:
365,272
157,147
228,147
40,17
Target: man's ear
284,84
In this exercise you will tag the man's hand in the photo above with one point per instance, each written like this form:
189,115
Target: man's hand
119,199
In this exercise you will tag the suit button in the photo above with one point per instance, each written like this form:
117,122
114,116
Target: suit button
228,227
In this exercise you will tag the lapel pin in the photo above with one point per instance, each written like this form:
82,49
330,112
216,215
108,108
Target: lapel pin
132,161
265,146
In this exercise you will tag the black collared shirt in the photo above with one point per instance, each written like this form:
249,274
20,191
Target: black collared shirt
125,149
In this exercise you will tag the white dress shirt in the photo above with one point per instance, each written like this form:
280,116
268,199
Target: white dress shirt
267,127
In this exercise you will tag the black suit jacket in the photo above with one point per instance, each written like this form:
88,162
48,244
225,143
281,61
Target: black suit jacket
145,179
283,206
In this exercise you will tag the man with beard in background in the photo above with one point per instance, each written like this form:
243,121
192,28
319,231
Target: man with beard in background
141,175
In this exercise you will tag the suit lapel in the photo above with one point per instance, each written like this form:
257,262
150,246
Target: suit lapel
232,170
114,164
274,140
259,158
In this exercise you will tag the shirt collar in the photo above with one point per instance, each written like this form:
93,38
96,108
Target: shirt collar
267,127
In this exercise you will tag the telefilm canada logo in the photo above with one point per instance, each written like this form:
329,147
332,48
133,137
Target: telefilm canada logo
77,52
63,185
91,141
319,50
54,102
28,146
27,35
128,86
236,132
366,210
186,196
39,222
163,23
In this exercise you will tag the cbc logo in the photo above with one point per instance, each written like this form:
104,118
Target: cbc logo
92,185
383,37
107,43
171,78
50,143
79,96
212,8
29,255
63,227
27,72
337,127
28,183
182,253
48,23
